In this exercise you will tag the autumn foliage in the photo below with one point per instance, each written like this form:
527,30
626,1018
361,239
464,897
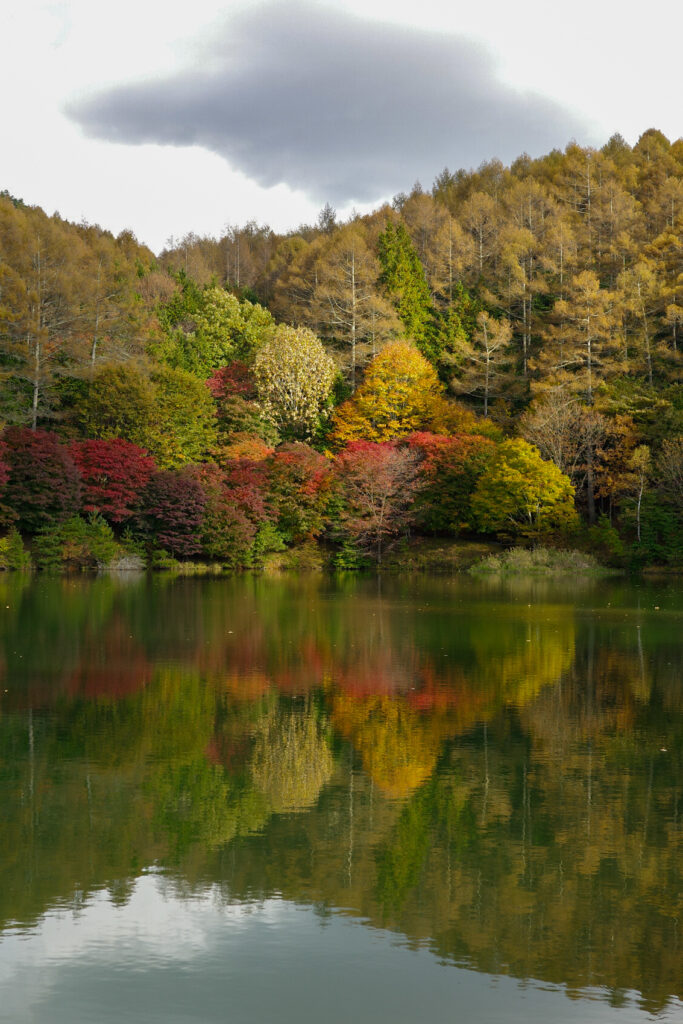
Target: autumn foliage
44,485
377,483
398,396
172,511
113,474
449,470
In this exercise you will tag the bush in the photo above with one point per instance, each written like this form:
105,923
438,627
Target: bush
606,543
113,473
661,532
300,481
542,561
76,544
13,554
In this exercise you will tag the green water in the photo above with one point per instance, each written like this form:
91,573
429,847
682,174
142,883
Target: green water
306,800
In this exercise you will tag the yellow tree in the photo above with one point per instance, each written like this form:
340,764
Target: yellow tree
399,394
520,493
640,299
487,362
440,243
44,337
581,349
480,219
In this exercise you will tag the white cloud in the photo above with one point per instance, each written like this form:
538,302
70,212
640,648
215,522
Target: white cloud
610,64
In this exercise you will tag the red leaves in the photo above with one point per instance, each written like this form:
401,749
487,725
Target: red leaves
173,506
114,473
449,469
43,487
378,482
234,379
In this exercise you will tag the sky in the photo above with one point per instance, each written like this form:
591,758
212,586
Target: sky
166,118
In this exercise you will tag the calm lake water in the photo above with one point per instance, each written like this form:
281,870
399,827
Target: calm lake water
305,800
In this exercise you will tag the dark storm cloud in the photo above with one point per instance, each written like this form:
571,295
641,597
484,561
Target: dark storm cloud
342,108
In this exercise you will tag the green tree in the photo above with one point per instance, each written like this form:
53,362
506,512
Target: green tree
519,493
185,418
119,402
170,414
404,280
206,330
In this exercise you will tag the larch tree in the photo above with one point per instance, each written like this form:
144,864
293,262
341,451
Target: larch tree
480,219
640,300
346,301
44,339
582,350
486,370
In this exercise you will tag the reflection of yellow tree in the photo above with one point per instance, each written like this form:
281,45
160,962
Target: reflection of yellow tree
398,746
522,654
291,761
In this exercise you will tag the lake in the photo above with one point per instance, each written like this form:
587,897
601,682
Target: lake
304,799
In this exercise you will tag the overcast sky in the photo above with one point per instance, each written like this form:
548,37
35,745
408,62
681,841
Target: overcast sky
174,117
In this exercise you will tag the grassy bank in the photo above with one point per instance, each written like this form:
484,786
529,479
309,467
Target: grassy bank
540,562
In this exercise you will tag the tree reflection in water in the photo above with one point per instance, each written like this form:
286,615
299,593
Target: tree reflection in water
495,774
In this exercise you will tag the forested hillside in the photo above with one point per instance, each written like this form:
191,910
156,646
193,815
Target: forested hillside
500,356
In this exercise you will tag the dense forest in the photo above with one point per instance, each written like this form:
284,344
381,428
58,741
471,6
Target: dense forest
497,357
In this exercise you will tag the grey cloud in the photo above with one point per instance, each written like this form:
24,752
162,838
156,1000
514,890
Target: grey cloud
343,108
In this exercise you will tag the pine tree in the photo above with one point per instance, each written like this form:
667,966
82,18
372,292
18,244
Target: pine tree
404,280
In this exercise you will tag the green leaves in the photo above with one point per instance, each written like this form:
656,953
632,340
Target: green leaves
521,494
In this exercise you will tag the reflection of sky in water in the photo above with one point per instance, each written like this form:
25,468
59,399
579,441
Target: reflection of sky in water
160,958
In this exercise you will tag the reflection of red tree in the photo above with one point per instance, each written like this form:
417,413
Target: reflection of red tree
114,666
245,685
228,751
300,669
372,670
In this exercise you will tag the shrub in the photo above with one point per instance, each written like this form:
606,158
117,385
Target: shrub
13,554
171,512
300,481
605,542
543,561
76,544
449,470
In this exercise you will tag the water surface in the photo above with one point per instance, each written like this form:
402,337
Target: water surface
303,799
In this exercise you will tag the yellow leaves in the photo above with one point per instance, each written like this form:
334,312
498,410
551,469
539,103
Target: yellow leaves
520,492
398,746
398,396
